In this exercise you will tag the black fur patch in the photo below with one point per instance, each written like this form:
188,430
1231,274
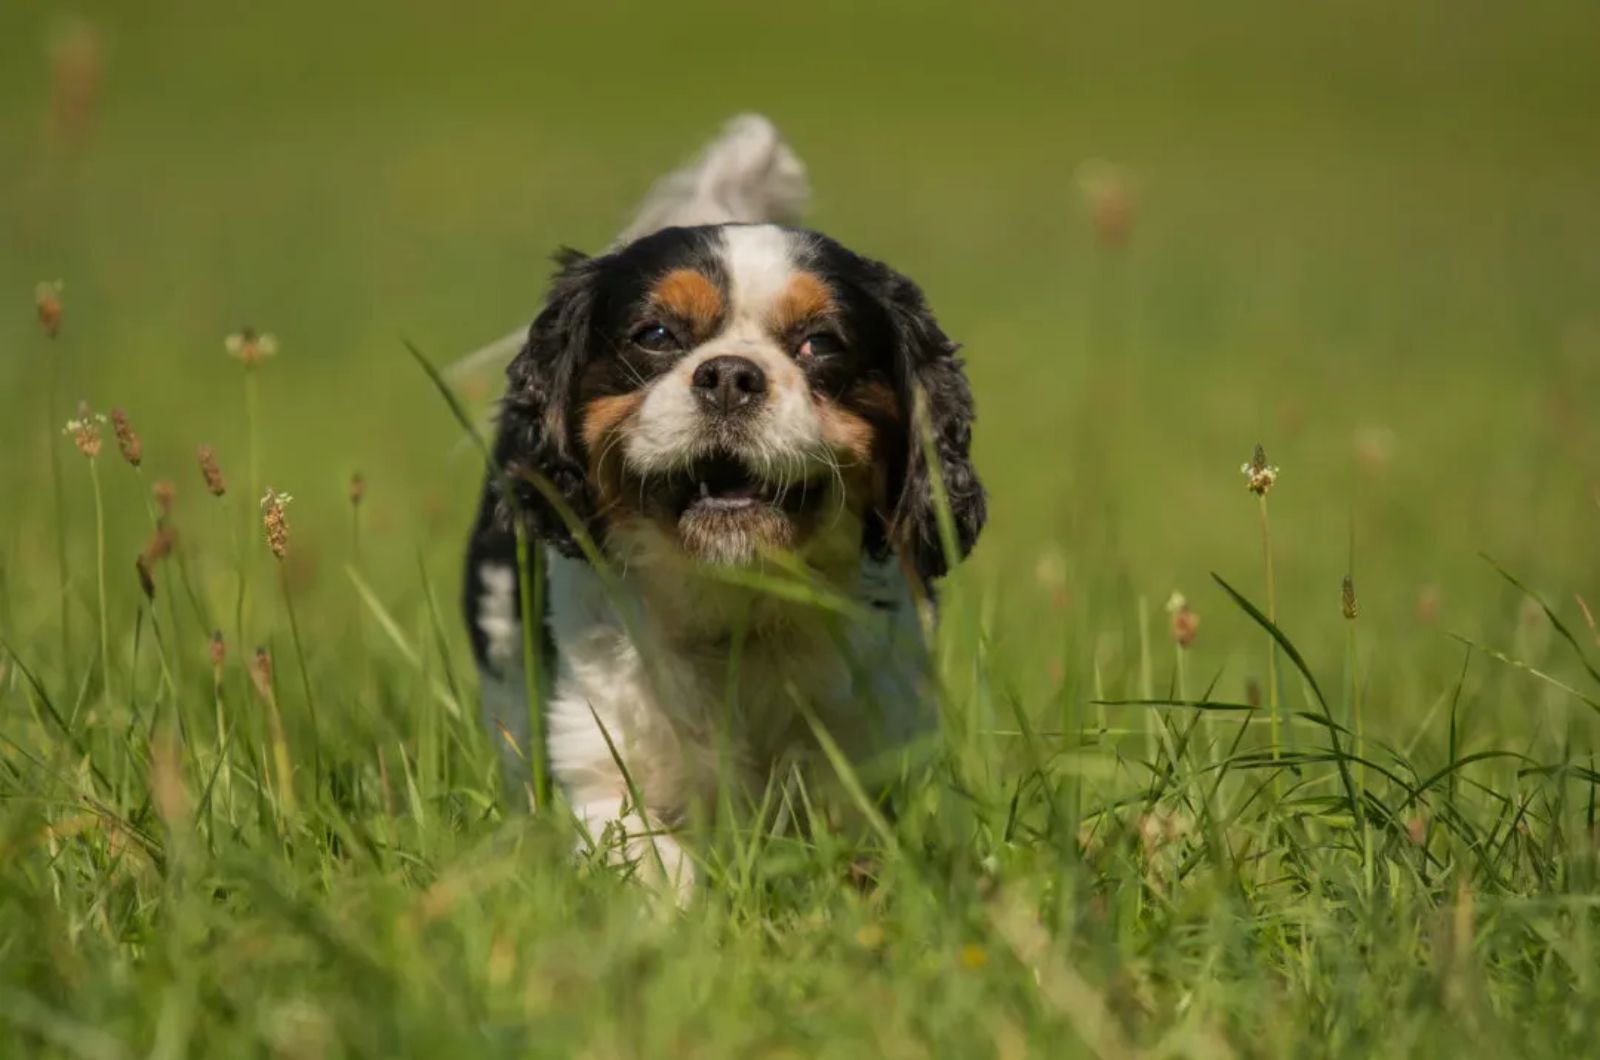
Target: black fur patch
921,360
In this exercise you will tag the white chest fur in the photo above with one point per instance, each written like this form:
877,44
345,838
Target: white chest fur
709,683
687,701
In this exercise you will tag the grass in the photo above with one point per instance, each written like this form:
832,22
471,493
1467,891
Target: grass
1363,238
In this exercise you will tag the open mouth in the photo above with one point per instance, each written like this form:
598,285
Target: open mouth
722,483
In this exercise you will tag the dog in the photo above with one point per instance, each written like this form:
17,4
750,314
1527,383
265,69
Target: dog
738,457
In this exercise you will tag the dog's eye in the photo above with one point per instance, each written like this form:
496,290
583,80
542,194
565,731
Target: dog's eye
657,338
820,344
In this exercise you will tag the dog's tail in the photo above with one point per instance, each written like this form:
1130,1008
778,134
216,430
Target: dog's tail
747,174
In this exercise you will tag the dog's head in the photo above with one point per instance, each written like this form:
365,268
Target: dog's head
725,390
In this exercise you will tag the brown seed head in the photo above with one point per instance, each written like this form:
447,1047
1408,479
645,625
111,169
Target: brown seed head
1428,600
1259,475
75,74
165,493
1252,691
1185,623
1417,829
250,347
1107,194
215,483
276,523
161,543
358,489
1051,573
261,673
219,653
47,300
85,430
1374,449
158,548
1347,597
128,442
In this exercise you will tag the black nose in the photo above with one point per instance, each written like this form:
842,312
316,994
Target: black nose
729,384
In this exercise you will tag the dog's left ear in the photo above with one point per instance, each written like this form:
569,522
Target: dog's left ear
936,403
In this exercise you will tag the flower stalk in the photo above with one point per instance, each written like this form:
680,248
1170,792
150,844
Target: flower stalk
50,310
1260,476
85,432
261,678
276,524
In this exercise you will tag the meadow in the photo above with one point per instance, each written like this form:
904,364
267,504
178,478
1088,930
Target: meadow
1308,771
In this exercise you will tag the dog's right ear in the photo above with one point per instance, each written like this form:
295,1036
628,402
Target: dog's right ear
535,438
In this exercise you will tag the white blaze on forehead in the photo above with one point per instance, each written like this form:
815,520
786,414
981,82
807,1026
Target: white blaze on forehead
785,439
760,262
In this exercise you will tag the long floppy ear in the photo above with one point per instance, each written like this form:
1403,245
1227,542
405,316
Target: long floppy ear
536,432
937,406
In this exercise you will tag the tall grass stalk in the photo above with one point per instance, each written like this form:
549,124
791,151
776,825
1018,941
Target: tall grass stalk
1272,645
276,524
240,579
1147,689
217,487
100,580
253,469
265,683
252,404
358,493
1260,476
530,583
47,303
58,497
218,652
1357,724
175,629
1353,718
1200,726
305,679
250,349
358,628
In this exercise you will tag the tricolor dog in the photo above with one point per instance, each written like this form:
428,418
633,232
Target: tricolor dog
718,398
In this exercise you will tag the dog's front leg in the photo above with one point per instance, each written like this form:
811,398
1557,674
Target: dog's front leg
625,835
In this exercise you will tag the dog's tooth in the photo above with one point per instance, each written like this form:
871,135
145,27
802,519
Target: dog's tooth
705,490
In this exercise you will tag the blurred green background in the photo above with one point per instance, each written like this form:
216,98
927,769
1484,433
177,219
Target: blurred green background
1365,234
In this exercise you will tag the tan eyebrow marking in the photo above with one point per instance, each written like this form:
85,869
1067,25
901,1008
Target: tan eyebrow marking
690,296
804,298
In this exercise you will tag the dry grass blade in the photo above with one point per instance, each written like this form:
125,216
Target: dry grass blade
391,629
1518,664
1549,613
